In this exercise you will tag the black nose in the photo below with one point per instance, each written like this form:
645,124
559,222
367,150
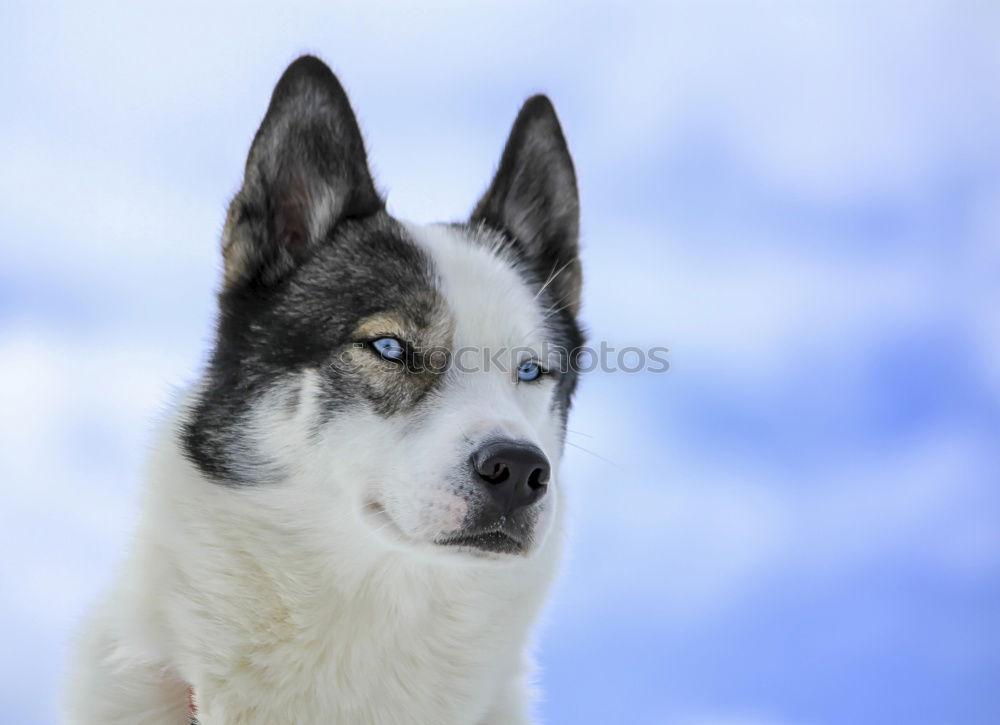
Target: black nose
515,474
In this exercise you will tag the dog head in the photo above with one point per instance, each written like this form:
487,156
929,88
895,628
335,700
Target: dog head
417,378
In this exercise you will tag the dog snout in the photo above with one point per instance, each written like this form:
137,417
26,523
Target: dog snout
514,474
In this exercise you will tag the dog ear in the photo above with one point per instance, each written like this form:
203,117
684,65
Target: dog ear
306,171
533,199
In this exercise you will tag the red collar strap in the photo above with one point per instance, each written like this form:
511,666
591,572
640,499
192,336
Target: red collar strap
192,709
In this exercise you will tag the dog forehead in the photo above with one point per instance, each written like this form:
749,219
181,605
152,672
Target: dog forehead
370,268
489,300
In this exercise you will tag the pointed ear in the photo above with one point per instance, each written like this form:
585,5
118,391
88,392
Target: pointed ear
533,199
307,170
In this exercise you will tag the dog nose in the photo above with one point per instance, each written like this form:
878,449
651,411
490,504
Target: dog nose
514,474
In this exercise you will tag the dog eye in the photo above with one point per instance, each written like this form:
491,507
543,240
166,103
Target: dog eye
529,370
390,348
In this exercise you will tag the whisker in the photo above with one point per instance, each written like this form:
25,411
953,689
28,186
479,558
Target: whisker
465,435
554,311
595,455
552,278
549,312
379,529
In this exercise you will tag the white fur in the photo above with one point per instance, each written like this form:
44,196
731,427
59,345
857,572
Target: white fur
298,602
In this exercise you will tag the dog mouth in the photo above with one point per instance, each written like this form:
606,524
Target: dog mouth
495,541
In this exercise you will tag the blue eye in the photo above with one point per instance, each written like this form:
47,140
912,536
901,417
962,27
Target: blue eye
389,348
528,371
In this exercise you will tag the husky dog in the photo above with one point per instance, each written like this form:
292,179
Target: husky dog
339,527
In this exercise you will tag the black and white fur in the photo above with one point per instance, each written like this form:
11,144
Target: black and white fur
312,545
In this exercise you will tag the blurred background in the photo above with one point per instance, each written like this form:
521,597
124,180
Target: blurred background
796,525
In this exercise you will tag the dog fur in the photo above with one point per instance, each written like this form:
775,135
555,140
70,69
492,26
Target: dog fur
300,556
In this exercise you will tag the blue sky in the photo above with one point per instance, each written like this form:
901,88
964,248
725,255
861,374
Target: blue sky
795,526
